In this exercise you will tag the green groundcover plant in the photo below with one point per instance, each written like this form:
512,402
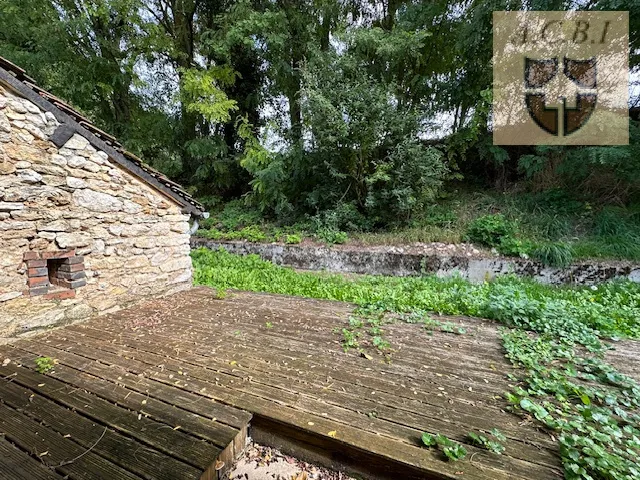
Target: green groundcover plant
557,338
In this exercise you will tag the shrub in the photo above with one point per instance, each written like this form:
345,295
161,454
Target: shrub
514,247
490,230
331,236
292,239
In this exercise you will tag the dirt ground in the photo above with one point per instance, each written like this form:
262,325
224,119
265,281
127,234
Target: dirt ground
266,463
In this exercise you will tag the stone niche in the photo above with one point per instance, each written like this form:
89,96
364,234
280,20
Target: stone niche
54,274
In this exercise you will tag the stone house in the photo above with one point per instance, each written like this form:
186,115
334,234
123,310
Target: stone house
85,226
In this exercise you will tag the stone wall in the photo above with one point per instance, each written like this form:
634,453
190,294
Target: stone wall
396,262
73,201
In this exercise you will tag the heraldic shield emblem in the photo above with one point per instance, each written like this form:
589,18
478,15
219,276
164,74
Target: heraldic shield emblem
539,73
560,78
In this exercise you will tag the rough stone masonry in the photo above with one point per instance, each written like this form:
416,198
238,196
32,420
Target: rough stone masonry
122,240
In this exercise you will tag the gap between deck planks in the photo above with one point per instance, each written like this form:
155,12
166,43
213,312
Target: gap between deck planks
296,376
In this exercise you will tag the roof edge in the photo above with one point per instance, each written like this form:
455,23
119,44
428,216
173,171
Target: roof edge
70,123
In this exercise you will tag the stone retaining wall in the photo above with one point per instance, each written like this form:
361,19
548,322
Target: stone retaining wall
73,201
389,261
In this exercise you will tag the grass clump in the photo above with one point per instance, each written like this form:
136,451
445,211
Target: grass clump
555,336
555,254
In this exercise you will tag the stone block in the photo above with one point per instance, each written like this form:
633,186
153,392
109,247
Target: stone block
7,168
76,161
145,242
29,176
4,297
96,201
10,206
92,167
74,182
65,240
79,312
55,226
77,142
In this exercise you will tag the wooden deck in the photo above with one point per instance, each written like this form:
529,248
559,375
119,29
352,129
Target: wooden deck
165,389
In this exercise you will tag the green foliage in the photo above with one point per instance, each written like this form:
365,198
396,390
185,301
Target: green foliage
490,442
292,239
453,451
44,364
611,310
555,254
250,234
490,230
331,236
555,335
200,93
515,247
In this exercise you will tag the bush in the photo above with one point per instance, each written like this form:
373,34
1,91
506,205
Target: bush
250,234
292,239
331,236
514,247
490,230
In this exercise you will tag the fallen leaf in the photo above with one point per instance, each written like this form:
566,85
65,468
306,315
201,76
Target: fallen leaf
233,362
332,433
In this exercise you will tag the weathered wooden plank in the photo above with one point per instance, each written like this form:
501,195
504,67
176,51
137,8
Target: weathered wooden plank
339,380
55,451
479,358
366,403
231,440
119,449
205,344
240,395
151,388
160,436
18,465
358,403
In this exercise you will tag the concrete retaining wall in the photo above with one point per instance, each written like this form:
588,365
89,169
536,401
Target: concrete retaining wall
388,261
